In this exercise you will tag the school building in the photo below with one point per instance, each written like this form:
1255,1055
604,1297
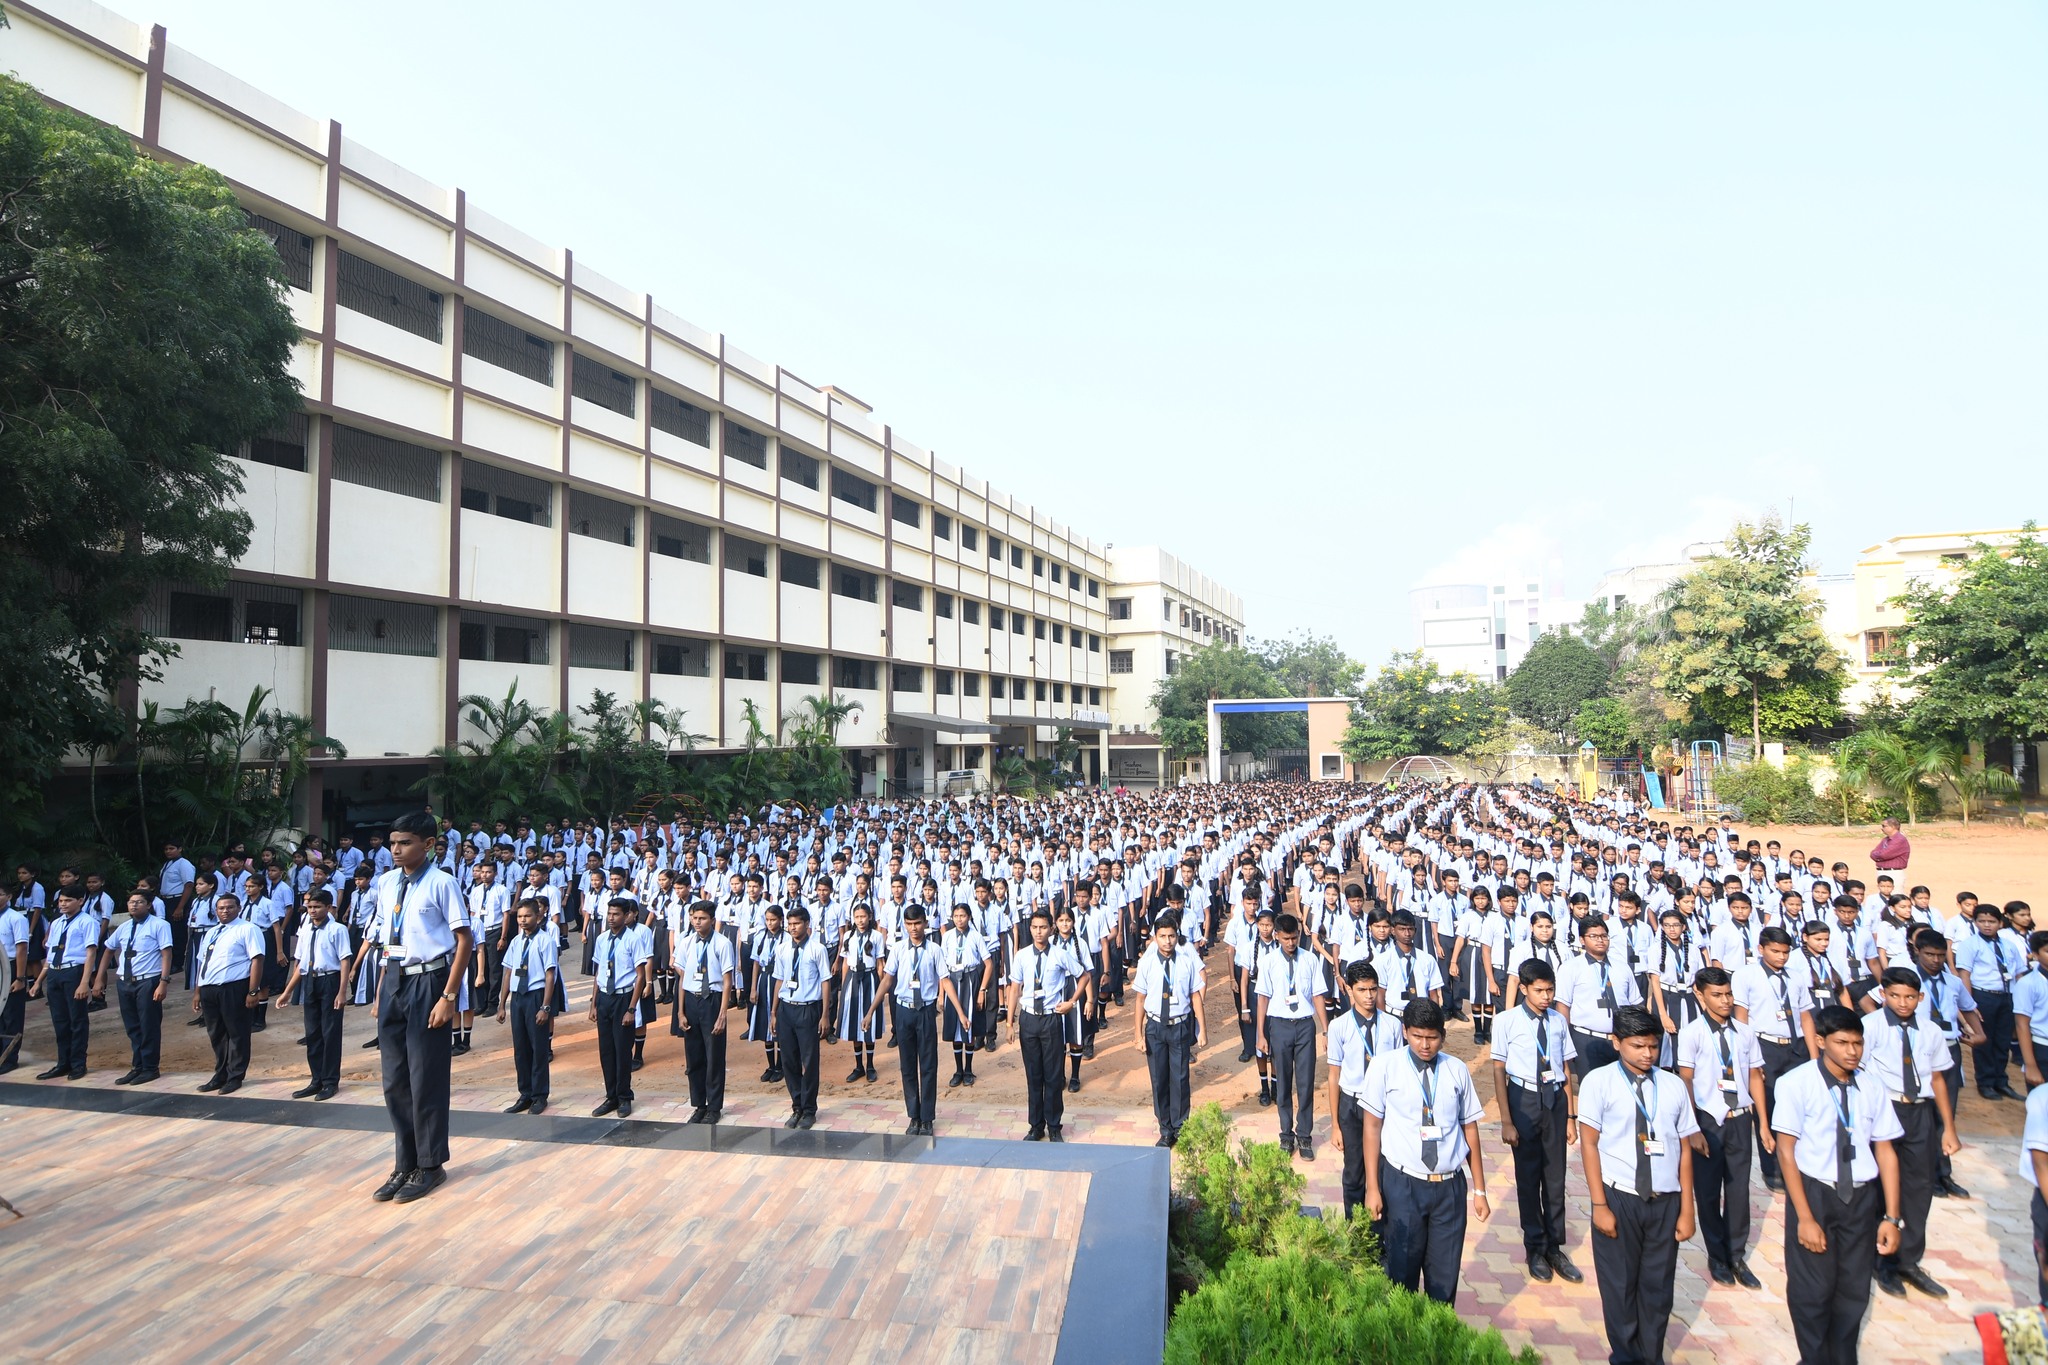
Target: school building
512,471
1161,610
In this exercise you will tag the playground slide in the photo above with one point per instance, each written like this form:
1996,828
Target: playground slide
1653,788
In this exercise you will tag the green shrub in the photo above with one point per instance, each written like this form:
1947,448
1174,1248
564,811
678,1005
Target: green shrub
1228,1201
1772,796
1300,1309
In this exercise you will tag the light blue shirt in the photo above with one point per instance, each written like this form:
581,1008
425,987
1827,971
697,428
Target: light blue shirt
1610,1102
1516,1038
1354,1046
1401,1092
1993,964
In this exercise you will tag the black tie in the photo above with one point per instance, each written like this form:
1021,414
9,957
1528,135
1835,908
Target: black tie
1728,1085
525,959
1907,1070
1545,1092
128,954
1606,1001
1998,958
1645,1181
1427,1076
1844,1098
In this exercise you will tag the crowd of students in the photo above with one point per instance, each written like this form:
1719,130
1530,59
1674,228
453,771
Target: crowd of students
1678,1004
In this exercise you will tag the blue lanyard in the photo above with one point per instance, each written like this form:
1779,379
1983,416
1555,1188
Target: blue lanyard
1426,1078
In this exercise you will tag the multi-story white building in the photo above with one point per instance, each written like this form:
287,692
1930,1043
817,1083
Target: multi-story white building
1484,629
512,471
1161,610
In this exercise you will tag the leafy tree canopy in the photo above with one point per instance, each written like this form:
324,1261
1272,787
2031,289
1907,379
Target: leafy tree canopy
1559,674
143,331
1231,672
1311,666
1976,648
1413,707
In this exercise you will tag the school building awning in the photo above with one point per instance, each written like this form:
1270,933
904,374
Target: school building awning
945,725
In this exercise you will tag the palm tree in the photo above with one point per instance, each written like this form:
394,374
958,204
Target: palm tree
1852,770
1903,767
824,714
1951,763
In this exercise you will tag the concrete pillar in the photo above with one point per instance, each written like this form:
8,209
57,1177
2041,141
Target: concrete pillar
1215,747
1102,753
927,754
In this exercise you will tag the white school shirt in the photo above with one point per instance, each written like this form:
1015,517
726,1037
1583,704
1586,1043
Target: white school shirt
1733,945
69,940
488,906
2030,998
704,964
1397,972
322,949
1775,1000
535,953
2035,1137
960,952
615,958
1583,982
1520,1039
1884,1044
1719,1085
1290,986
1169,986
1395,1092
1805,1105
1355,1045
229,948
1610,1101
802,972
151,937
422,928
1994,964
1042,977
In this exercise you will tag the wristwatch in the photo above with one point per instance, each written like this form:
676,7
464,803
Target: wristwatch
449,996
1898,1223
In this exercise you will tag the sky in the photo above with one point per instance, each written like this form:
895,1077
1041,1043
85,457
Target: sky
1329,300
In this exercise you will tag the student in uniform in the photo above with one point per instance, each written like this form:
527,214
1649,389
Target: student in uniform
705,964
230,970
964,957
1991,961
1719,1058
759,999
1777,1006
801,968
529,970
427,945
1835,1129
915,976
1075,1025
15,933
138,954
1478,960
624,964
1905,1054
1637,1139
1421,1141
2034,1166
860,969
320,963
1042,994
1291,988
71,947
1589,990
1357,1037
1531,1050
1168,983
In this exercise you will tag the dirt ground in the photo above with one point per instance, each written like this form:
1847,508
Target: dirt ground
1999,862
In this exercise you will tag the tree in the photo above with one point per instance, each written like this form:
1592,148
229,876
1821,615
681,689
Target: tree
1607,723
145,332
1744,631
1559,674
1414,707
1901,766
1307,665
1231,672
1976,648
1494,754
1970,782
1614,633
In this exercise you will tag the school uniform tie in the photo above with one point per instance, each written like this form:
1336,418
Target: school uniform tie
1645,1180
128,954
1606,1001
1998,959
917,977
1546,1090
1843,1097
525,957
1907,1070
1427,1076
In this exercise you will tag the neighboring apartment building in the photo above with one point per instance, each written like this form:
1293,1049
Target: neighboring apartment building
1485,628
511,470
1642,584
1859,614
1161,610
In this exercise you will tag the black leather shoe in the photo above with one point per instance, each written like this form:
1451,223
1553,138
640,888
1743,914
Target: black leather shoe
144,1077
391,1186
329,1093
607,1107
914,1129
230,1087
369,1042
807,1120
856,1073
714,1116
954,1083
306,1092
420,1184
767,1075
792,1121
1922,1281
1775,1183
1566,1271
1720,1272
1888,1280
1539,1270
1074,1085
1265,1097
1950,1190
2005,1089
520,1105
1746,1277
538,1108
1164,1141
1245,1055
52,1074
1035,1135
1305,1150
213,1083
1053,1134
871,1071
697,1115
128,1079
625,1109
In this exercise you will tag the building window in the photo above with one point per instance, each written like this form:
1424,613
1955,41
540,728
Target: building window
970,611
668,413
942,605
995,618
1037,628
1016,623
970,683
377,293
1095,696
384,464
294,249
858,584
600,647
1017,689
682,539
364,625
1059,691
1185,618
282,446
1120,661
1038,691
995,548
745,556
744,444
490,638
1094,588
1038,566
252,613
850,487
1095,644
906,678
497,342
908,596
595,382
1119,608
942,525
797,570
601,518
854,674
942,682
969,538
1166,606
746,665
904,510
1016,556
677,657
1500,672
1056,574
798,467
802,670
1877,648
1059,633
500,492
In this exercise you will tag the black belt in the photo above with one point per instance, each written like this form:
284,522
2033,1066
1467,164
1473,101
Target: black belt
315,976
422,968
704,995
139,980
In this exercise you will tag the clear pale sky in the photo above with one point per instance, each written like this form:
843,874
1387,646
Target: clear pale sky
1329,300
